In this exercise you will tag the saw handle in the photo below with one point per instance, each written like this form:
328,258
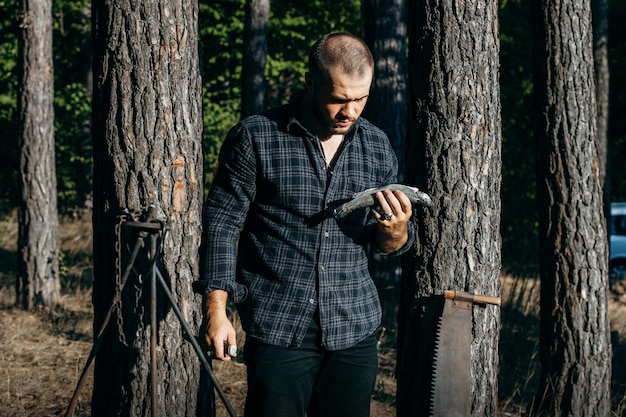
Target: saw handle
474,298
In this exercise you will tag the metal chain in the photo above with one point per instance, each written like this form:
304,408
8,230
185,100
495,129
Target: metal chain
138,291
120,249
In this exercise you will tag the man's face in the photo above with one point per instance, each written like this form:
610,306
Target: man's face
338,104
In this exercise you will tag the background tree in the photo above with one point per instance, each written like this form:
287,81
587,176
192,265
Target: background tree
385,32
254,57
455,141
617,98
575,340
601,66
147,151
38,262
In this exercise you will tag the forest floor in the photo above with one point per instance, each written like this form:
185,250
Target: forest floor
42,353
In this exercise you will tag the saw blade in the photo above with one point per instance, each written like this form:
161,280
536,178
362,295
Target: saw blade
450,395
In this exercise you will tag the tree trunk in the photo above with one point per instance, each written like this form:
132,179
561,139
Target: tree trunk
575,339
385,33
454,139
38,263
147,129
254,57
601,70
601,65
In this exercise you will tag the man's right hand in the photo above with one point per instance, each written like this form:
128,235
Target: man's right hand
220,334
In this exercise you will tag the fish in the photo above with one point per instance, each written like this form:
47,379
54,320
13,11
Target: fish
368,198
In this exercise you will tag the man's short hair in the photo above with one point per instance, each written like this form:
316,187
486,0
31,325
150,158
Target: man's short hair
340,50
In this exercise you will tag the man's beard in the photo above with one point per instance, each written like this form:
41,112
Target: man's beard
328,126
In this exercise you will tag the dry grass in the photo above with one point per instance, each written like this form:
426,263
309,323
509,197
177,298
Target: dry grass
42,356
42,353
519,345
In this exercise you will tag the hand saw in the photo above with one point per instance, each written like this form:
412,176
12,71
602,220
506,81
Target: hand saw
450,389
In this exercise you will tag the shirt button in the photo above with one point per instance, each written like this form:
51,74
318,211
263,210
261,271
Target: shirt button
311,301
326,234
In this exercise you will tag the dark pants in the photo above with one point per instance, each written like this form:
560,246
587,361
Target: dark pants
287,382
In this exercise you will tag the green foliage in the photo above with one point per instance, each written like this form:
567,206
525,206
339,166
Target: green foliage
221,34
64,268
72,41
72,63
73,145
293,27
72,101
8,50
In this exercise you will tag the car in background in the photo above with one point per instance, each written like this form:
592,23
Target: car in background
617,226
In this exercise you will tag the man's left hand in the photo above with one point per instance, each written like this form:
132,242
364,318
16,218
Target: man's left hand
396,211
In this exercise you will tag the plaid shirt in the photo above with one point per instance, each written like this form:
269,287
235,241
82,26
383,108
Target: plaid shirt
271,239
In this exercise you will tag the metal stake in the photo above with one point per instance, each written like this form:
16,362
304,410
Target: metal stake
153,229
153,325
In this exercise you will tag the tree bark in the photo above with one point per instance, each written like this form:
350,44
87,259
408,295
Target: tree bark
601,66
454,141
147,130
254,57
385,32
38,280
599,12
575,339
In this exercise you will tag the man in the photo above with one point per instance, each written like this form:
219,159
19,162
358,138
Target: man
299,276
